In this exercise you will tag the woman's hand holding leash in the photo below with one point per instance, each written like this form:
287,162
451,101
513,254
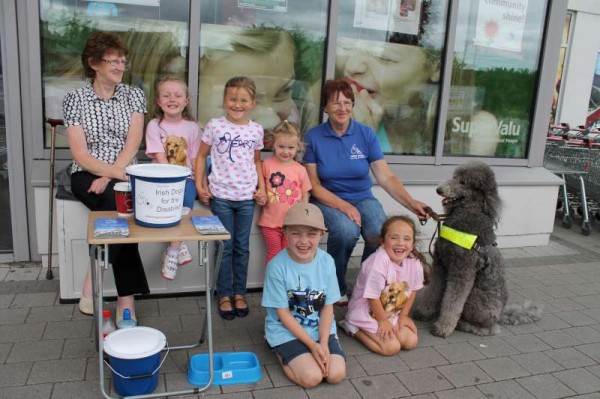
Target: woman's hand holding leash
420,209
431,213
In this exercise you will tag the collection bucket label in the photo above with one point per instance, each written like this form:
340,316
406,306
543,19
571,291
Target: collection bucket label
158,202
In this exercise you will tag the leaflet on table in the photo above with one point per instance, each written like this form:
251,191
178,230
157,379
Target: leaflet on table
111,227
208,225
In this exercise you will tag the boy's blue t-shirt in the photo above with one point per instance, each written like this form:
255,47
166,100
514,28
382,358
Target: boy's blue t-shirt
304,289
343,161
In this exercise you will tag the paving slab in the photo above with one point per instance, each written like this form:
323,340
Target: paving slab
47,349
546,386
579,380
385,386
40,391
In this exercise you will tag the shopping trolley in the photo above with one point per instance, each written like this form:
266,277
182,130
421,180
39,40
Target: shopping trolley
592,181
570,163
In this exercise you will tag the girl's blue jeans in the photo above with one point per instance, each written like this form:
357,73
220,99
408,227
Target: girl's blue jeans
236,216
189,195
343,233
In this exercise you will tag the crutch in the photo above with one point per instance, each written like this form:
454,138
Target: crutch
53,123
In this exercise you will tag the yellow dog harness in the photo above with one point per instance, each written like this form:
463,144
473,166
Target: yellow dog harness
466,240
460,238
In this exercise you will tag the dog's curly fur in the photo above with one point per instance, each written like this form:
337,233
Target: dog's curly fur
466,293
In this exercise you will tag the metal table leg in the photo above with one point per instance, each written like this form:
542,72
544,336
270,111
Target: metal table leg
97,287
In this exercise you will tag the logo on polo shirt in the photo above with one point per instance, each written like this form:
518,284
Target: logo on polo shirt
356,153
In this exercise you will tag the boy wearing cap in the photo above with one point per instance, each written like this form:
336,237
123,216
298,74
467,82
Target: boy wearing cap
299,292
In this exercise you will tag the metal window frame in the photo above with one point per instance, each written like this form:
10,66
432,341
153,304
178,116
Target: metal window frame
14,132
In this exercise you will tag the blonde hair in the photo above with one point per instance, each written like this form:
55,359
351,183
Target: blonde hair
241,82
285,128
158,111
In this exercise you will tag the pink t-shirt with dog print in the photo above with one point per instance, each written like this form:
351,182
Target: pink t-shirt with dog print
156,137
379,274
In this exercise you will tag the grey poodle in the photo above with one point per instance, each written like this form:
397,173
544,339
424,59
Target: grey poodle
468,289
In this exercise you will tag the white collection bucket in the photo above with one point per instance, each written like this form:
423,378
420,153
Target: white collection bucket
157,191
134,359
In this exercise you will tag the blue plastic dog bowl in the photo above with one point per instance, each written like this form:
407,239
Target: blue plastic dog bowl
229,368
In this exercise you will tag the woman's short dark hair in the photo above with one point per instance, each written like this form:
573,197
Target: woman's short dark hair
333,87
96,46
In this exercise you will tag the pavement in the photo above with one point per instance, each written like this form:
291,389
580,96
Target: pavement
47,348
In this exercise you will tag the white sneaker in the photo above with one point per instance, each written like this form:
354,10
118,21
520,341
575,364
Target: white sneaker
184,257
349,328
169,269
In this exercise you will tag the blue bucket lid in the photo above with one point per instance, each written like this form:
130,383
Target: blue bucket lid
158,170
134,343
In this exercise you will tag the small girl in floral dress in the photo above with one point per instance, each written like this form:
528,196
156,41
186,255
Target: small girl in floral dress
286,182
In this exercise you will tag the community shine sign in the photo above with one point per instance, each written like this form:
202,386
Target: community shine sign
500,24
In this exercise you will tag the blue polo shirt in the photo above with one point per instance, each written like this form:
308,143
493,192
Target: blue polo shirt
343,162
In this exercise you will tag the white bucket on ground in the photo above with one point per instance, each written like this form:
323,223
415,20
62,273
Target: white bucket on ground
157,193
134,359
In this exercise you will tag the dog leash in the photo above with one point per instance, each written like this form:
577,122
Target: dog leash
462,239
439,218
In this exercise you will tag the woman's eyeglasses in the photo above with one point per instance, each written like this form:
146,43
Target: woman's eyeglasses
342,104
116,63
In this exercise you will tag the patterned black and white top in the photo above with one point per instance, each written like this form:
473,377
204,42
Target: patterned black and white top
105,123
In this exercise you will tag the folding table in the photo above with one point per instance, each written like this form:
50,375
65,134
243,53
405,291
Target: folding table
184,231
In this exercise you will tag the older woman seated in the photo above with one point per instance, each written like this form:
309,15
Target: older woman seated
339,154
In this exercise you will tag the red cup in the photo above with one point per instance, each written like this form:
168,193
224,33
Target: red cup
123,199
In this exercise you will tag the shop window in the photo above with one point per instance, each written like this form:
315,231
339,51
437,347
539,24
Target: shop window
390,51
494,78
279,44
156,33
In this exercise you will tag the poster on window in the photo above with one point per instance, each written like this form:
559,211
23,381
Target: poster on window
284,65
500,24
400,16
270,5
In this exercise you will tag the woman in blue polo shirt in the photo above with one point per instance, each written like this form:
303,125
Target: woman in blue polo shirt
339,155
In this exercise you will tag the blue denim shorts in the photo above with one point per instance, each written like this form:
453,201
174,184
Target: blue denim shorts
294,348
